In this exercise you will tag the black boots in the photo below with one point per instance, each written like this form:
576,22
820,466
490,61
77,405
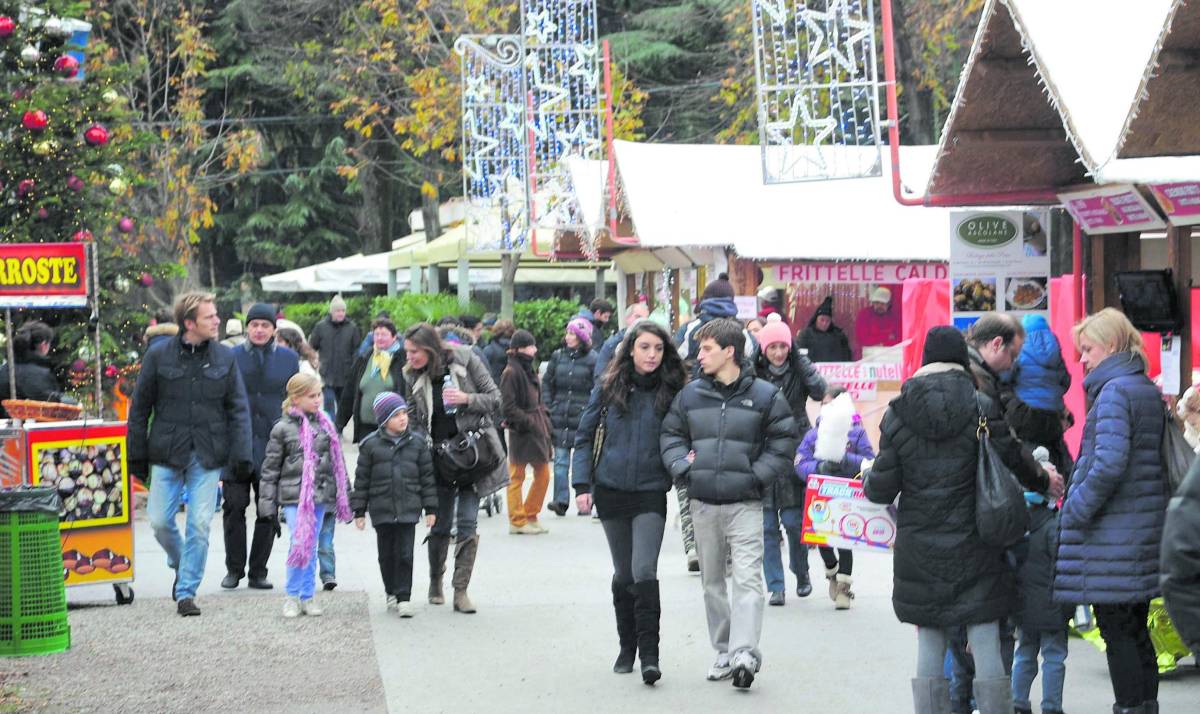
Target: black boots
646,611
623,606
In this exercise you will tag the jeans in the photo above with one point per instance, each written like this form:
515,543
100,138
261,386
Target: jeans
520,512
792,520
1132,663
985,646
302,581
233,516
325,556
459,508
331,400
562,474
1053,646
724,530
167,487
396,542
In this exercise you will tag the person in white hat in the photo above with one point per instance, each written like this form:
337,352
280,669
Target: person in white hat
878,324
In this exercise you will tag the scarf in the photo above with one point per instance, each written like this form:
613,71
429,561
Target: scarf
381,360
305,533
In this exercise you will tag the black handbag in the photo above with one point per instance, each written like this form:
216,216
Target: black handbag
1001,516
463,458
1177,454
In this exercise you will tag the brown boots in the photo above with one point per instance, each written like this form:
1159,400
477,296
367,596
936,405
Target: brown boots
464,564
439,545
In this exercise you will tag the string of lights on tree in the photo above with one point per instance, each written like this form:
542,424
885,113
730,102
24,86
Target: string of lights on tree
817,89
530,101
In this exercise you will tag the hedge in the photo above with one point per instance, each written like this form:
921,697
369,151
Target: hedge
547,320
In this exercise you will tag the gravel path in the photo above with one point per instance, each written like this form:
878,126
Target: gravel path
239,656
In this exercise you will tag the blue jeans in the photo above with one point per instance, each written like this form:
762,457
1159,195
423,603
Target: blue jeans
167,489
562,475
328,561
793,521
302,581
463,504
330,405
1053,646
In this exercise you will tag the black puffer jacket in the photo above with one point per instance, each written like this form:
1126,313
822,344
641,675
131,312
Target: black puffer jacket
1036,609
283,466
630,460
829,346
798,384
943,574
496,356
1181,559
566,387
35,380
394,479
743,434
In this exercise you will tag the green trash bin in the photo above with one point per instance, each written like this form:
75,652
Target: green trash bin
33,598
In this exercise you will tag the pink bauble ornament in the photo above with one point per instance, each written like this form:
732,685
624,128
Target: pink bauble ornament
96,135
25,187
125,225
146,280
78,366
35,120
67,66
82,236
7,26
42,214
75,183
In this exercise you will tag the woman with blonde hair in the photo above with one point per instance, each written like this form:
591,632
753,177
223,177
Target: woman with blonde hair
1112,518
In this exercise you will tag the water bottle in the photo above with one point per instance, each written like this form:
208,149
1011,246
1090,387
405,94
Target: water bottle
448,383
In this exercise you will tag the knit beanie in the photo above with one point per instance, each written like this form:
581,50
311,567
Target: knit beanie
521,339
386,405
719,288
261,311
337,303
774,332
945,344
826,307
582,328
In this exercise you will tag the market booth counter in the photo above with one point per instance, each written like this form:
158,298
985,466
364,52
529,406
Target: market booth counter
85,462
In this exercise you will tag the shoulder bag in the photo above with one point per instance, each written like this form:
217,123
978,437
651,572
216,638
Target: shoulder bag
463,458
1000,512
1177,454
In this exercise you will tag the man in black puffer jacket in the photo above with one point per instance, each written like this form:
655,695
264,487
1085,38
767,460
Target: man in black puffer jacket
728,436
1181,559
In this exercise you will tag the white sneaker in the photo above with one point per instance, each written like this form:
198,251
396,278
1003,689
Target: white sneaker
311,608
391,603
405,609
291,607
721,669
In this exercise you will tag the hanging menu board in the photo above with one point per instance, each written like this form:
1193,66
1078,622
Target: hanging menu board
1111,209
999,261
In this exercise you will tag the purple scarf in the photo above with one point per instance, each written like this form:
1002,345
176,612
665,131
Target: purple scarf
305,532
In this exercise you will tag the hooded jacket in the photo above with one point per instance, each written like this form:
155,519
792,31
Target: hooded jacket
566,387
164,331
743,434
858,449
394,479
943,574
709,310
1112,518
832,345
1041,377
1181,559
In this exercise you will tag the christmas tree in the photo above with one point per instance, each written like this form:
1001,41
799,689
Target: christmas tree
65,150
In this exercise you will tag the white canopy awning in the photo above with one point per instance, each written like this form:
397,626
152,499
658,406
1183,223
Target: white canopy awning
686,196
341,275
304,280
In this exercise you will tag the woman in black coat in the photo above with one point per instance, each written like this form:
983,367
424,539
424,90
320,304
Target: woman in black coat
31,350
566,386
825,341
945,576
617,463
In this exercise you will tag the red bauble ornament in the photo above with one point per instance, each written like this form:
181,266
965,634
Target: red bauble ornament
125,225
35,120
67,66
42,214
82,236
25,187
146,280
75,183
78,366
96,135
7,26
111,371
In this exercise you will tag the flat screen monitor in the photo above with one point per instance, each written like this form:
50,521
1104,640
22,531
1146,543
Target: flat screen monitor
1148,300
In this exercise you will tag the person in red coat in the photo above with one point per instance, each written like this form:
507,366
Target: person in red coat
878,324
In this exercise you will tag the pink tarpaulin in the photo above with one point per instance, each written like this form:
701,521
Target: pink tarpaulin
926,304
1064,298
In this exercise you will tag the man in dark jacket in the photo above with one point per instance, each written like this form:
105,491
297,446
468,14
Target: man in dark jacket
1181,559
783,505
825,341
266,368
191,389
599,313
634,314
728,436
335,339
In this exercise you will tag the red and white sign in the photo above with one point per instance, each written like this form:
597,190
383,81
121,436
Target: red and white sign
866,273
1112,209
1180,201
43,275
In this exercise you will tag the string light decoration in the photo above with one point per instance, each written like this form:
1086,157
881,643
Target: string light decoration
495,147
816,89
562,72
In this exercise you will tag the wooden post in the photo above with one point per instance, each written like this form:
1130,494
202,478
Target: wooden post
674,309
1179,259
631,289
1111,254
648,288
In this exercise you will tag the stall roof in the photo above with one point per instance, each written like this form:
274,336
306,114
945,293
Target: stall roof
305,280
689,196
1045,96
1162,120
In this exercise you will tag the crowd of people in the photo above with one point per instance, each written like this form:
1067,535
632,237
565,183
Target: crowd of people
719,413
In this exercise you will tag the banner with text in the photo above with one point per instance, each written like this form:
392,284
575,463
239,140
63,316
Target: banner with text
999,261
864,272
43,275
